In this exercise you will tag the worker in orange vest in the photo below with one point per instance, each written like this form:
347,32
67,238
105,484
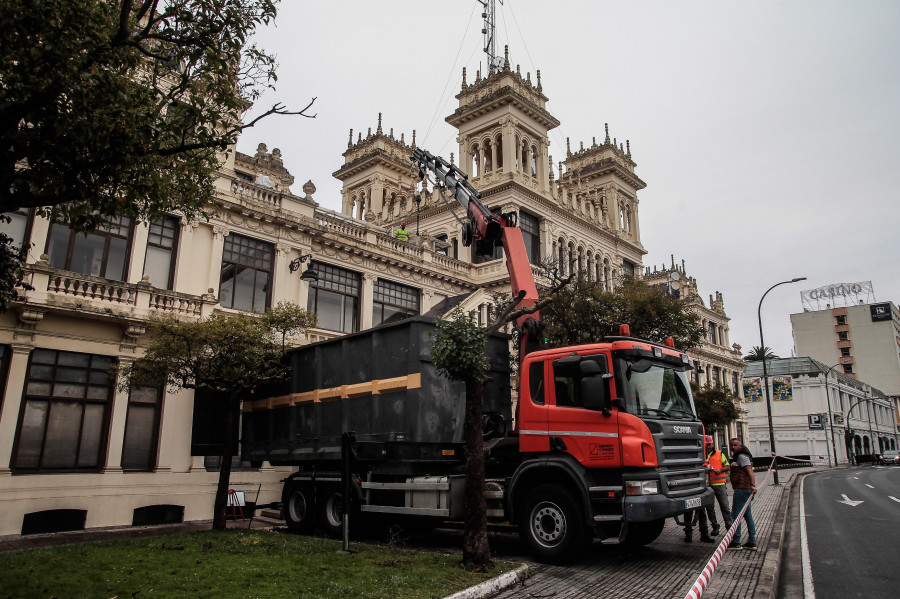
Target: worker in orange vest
717,467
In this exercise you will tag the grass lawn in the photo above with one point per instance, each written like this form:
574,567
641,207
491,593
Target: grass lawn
232,564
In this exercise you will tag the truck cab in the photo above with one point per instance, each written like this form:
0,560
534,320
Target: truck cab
614,425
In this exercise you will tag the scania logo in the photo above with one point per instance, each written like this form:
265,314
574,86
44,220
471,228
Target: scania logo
682,429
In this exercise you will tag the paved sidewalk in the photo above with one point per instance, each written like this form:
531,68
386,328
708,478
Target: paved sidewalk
668,567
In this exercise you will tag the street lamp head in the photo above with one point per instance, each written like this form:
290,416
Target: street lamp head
798,279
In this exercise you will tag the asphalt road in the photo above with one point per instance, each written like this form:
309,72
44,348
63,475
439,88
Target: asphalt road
852,522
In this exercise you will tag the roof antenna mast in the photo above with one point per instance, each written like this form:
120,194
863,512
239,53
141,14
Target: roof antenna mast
495,63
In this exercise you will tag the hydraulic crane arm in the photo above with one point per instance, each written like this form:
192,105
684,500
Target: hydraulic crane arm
485,225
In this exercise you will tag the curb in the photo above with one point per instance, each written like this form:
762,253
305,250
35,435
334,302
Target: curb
771,567
494,585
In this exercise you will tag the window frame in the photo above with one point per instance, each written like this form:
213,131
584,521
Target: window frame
337,281
384,290
173,251
106,235
52,400
530,225
246,248
153,449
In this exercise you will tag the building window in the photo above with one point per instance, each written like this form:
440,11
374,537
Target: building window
141,428
161,244
848,368
711,330
841,319
441,245
4,369
246,274
393,302
842,336
101,253
65,412
531,233
845,352
17,227
335,298
627,268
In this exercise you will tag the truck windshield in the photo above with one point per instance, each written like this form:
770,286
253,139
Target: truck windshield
653,389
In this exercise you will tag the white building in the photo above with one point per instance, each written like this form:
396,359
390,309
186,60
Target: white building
803,393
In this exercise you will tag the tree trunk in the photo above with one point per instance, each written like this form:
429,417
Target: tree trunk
476,550
231,418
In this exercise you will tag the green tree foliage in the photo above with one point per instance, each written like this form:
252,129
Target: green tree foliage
715,407
124,107
758,354
11,260
582,312
229,357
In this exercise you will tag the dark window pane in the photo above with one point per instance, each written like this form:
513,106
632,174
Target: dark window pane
37,388
32,434
69,390
73,375
87,255
67,358
139,433
115,264
91,432
43,356
16,228
58,248
158,266
246,269
63,427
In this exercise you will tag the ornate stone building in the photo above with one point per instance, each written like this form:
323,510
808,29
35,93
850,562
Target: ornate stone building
77,452
719,360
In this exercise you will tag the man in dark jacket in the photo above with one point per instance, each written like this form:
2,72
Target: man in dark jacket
743,484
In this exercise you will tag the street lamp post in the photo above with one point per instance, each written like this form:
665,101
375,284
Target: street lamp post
762,345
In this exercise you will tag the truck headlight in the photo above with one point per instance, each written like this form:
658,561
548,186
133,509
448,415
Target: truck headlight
641,487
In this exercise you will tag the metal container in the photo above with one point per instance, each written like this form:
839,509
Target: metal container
379,384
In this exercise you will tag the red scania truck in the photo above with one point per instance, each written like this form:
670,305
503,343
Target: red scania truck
606,442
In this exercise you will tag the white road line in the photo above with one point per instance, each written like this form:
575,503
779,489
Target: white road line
894,498
809,592
870,486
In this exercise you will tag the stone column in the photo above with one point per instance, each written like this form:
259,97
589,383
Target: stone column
117,417
139,236
215,261
12,403
366,300
182,262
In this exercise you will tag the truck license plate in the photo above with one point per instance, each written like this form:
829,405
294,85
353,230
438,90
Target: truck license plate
690,504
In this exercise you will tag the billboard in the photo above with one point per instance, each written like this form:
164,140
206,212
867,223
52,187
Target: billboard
782,390
880,312
837,294
752,389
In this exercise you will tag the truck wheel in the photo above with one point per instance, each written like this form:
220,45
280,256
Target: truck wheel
638,534
298,504
331,512
551,524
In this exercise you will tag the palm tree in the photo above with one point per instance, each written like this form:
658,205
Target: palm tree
757,354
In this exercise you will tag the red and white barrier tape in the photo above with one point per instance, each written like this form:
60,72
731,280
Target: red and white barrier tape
709,570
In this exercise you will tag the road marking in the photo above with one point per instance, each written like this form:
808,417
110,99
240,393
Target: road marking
870,486
894,498
849,501
855,478
809,592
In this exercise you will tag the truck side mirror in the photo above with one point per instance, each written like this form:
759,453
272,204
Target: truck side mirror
594,386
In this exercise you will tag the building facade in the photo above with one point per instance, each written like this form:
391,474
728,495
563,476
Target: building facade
718,361
862,340
78,452
818,413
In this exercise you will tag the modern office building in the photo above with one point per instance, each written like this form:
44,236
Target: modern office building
862,338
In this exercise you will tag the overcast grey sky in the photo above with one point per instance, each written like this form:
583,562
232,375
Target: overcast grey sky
766,132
